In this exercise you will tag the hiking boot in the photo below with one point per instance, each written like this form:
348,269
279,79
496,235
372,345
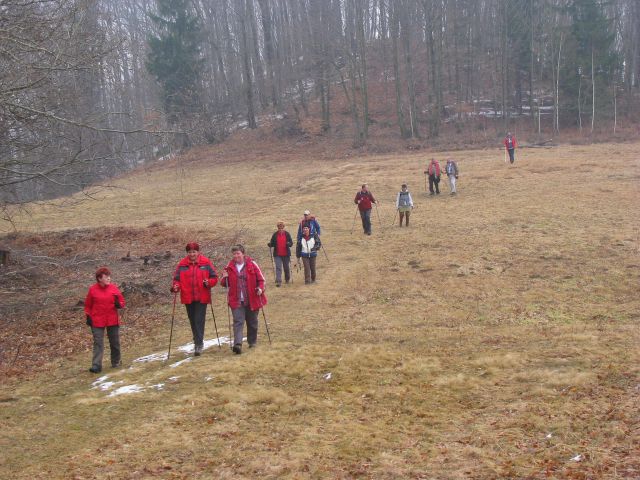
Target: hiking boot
278,285
117,364
197,351
95,369
252,345
237,349
431,193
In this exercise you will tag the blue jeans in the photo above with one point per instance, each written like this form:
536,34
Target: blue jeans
365,215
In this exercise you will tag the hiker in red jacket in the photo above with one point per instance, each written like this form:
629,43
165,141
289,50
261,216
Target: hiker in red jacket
433,170
101,308
245,295
364,199
194,278
281,243
510,144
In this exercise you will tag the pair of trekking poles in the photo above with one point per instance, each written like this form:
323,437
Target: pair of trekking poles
356,216
173,314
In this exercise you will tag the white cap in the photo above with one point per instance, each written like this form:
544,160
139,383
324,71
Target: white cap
307,212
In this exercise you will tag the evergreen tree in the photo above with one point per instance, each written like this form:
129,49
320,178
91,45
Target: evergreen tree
174,57
591,59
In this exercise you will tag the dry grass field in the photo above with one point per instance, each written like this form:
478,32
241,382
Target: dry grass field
496,337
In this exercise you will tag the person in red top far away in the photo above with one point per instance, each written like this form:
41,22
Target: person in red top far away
510,144
281,243
245,296
194,278
101,309
433,171
364,199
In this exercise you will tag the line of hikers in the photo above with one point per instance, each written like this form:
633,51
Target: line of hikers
196,275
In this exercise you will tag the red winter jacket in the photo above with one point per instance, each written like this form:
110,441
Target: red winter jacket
189,277
364,200
506,144
434,169
100,305
254,279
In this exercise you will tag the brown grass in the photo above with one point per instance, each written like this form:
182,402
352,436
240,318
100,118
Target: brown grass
497,337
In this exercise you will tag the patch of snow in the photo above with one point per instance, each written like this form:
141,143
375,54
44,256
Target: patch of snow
107,385
177,364
327,376
126,390
549,435
577,458
158,386
208,379
100,380
154,357
189,347
173,379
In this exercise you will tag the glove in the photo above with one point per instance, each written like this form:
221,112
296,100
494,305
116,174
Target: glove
116,302
89,321
456,177
175,289
258,291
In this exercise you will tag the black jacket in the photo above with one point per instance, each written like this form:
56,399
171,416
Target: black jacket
273,242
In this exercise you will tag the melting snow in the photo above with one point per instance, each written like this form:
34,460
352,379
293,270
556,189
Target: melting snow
327,376
187,348
177,364
126,389
577,458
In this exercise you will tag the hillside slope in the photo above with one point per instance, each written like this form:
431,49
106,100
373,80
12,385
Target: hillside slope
495,337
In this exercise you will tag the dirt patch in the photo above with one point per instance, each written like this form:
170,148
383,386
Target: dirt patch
43,286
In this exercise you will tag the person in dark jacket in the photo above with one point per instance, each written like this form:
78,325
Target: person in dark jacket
451,169
433,170
101,309
364,199
310,221
307,249
245,295
510,144
281,242
194,278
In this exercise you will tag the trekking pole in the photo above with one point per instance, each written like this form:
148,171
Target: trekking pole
266,325
173,314
273,264
290,270
229,320
214,324
354,220
393,222
325,252
378,213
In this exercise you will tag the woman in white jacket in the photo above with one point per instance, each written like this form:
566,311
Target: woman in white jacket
404,204
307,249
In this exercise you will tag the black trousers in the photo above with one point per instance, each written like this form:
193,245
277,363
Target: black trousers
434,181
512,154
197,313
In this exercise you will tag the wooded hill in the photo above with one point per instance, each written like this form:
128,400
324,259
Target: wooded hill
90,88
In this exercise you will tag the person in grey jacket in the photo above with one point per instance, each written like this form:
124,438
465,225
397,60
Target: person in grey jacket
404,204
452,173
